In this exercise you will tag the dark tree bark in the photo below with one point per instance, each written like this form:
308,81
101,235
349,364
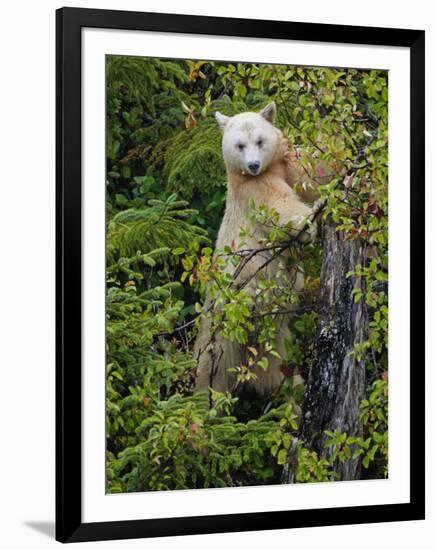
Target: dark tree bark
336,381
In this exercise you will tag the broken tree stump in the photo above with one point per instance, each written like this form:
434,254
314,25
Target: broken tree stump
336,382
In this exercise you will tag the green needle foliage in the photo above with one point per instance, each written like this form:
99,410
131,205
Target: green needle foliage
165,201
161,225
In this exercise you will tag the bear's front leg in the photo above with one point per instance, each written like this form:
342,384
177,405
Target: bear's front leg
311,231
302,218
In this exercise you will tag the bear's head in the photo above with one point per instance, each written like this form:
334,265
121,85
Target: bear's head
250,140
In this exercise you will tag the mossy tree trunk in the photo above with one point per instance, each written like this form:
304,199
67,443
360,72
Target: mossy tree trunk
336,381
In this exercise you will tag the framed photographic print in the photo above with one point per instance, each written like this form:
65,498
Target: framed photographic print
240,259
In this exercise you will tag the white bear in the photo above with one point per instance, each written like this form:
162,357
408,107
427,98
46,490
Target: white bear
254,155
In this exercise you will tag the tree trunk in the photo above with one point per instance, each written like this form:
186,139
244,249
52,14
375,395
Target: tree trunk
336,381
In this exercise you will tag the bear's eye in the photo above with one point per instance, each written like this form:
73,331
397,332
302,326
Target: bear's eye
241,146
259,142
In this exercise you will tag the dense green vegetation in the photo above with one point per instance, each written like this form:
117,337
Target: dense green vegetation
165,199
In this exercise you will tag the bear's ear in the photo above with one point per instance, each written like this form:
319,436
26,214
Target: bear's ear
222,120
269,112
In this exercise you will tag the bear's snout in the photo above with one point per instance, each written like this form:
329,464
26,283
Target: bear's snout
253,167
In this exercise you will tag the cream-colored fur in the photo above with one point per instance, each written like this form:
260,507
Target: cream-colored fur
215,354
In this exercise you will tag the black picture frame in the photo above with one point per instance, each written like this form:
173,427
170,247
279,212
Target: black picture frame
69,525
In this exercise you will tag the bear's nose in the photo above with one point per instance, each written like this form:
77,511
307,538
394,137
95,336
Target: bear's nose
253,167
